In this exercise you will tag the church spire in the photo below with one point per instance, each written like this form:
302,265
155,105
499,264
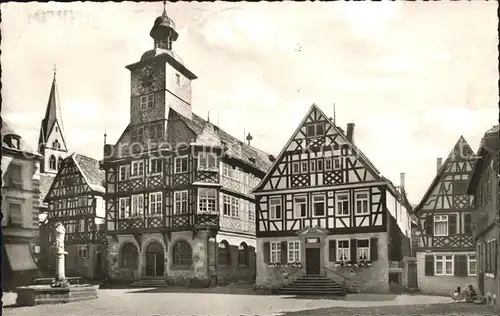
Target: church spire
163,31
51,130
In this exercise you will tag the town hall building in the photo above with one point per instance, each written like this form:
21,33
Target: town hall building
178,196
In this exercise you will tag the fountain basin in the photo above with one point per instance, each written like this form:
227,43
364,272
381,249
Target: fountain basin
45,294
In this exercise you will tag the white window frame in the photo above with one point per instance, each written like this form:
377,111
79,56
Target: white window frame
315,134
229,171
275,248
235,207
147,101
319,165
444,260
125,175
137,205
293,251
366,199
297,204
316,199
156,203
125,203
226,205
272,208
179,197
205,158
302,165
312,166
366,250
251,212
441,219
178,160
209,200
336,163
342,252
155,160
469,261
82,251
328,164
295,165
337,203
140,169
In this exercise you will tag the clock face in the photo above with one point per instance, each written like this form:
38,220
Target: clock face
148,77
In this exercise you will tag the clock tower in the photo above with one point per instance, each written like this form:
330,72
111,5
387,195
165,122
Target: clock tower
160,83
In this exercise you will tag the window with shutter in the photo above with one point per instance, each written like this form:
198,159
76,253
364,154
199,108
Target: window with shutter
453,224
429,225
373,249
353,250
429,265
332,254
267,252
284,251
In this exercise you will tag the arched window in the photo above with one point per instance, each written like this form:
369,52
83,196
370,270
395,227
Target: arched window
129,256
224,256
182,254
56,144
243,254
59,163
52,162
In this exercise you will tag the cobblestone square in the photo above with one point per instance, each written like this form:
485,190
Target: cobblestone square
128,302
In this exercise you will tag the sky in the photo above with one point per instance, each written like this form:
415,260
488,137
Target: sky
412,76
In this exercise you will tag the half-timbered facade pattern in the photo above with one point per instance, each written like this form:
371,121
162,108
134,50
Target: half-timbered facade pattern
485,187
444,242
322,192
177,180
75,199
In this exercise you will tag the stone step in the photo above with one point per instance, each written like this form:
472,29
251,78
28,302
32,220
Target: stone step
311,292
319,286
149,283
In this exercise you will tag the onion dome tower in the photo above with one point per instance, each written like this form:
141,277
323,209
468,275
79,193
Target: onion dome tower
163,31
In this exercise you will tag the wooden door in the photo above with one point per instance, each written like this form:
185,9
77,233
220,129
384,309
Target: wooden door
313,261
412,275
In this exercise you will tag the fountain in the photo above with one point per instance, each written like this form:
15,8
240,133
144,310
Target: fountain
60,289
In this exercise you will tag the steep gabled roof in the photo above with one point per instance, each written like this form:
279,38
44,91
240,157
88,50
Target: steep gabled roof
338,130
93,174
89,169
490,143
461,141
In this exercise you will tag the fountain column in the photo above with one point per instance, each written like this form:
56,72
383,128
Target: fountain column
60,267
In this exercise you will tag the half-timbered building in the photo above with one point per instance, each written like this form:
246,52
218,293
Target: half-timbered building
20,183
484,185
75,199
178,202
445,251
323,208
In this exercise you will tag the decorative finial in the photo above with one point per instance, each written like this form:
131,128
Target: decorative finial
164,7
105,136
208,117
55,70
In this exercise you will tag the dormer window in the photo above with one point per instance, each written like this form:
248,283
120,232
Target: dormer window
147,101
178,79
316,130
12,141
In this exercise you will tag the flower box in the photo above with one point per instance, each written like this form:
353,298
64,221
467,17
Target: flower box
285,265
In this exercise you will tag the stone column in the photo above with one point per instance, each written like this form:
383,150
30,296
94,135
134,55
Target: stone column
60,269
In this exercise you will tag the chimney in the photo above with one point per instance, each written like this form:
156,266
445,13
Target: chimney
439,164
350,132
402,182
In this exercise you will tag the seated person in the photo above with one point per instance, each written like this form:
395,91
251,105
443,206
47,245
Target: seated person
456,295
471,293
